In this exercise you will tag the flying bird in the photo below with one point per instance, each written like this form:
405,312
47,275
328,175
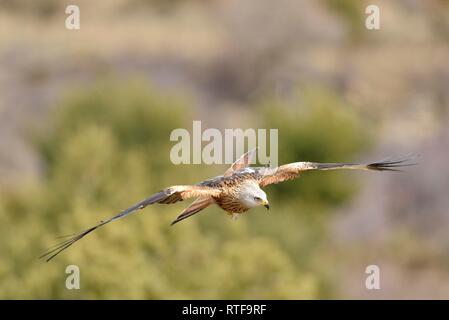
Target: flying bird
236,191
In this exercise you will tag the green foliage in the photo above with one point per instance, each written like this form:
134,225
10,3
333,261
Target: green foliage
108,147
137,120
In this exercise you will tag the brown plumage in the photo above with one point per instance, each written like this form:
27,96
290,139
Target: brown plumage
236,191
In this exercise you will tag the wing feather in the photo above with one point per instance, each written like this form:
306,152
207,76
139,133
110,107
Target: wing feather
241,163
293,170
167,196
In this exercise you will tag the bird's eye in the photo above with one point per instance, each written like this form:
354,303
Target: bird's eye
257,198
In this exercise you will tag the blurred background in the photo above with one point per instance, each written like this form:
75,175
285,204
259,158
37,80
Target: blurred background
85,118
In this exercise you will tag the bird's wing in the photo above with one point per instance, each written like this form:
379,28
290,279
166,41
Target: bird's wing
167,196
292,170
196,206
243,162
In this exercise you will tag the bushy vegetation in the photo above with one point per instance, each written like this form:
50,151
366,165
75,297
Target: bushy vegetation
108,147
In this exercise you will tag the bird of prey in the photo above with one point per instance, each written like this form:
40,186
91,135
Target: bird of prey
236,191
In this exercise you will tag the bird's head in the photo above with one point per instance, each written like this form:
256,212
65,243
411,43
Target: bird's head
253,196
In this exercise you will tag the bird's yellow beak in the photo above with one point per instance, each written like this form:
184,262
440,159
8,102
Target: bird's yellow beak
266,204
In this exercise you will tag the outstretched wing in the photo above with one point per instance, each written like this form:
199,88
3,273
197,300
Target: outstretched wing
243,162
292,170
167,196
